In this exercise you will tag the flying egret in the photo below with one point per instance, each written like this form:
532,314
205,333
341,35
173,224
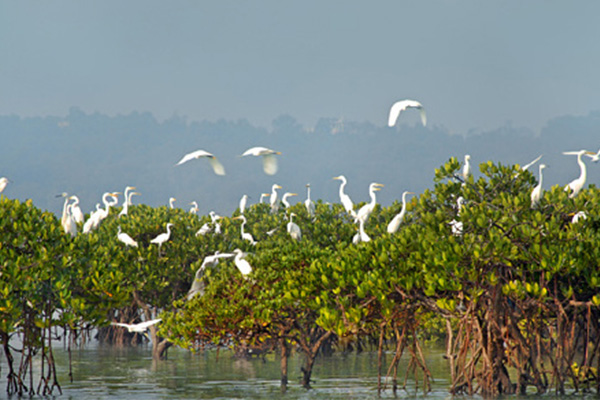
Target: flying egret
241,263
274,200
293,229
361,235
594,156
284,199
308,203
3,182
366,210
163,237
194,208
466,168
125,238
577,184
209,261
268,155
397,220
139,328
214,163
402,105
525,167
243,202
344,198
536,193
245,235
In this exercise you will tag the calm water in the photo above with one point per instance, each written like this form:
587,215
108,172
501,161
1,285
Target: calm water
110,372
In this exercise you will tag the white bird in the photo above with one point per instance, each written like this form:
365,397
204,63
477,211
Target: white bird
457,226
262,196
581,215
268,155
402,105
163,237
397,220
274,200
127,200
3,182
91,223
525,167
100,214
204,229
76,212
466,168
594,156
140,328
214,163
293,229
536,193
361,235
209,261
70,226
366,210
241,264
125,238
577,184
214,217
284,199
194,208
243,202
344,198
172,202
308,203
245,235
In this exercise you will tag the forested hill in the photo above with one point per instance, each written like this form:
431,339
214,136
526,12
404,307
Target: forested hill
88,154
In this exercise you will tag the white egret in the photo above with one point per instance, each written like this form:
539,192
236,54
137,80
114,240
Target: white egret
209,261
579,216
125,238
3,182
536,193
241,263
457,226
70,226
172,202
284,199
366,210
76,212
361,235
65,211
577,184
274,200
262,196
194,208
163,237
91,222
293,229
525,167
204,229
214,217
268,155
214,163
245,235
308,203
100,214
139,328
402,105
397,220
344,198
466,168
594,156
126,204
243,202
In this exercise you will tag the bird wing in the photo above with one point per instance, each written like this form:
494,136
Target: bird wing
217,166
193,155
270,164
121,324
423,116
254,151
402,105
524,168
146,324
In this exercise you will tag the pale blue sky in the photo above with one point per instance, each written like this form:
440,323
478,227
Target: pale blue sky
473,64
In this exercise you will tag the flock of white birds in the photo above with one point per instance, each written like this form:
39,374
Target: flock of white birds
73,217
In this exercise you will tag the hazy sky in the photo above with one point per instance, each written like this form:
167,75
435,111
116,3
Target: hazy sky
473,64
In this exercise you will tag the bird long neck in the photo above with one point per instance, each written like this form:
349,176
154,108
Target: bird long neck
541,176
373,198
403,210
105,201
342,186
65,212
582,175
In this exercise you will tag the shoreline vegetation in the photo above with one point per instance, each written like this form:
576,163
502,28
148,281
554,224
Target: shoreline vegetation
514,293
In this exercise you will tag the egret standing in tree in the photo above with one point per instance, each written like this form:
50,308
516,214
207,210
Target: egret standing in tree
274,198
344,198
366,210
243,202
402,105
245,235
308,203
127,200
194,208
536,193
268,155
209,261
397,220
577,184
242,265
466,168
284,199
293,229
214,163
361,235
76,212
125,238
172,202
163,237
3,182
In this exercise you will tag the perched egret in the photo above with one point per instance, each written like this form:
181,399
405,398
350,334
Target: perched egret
579,216
466,168
128,195
209,261
214,217
204,229
366,210
172,202
536,193
274,198
361,235
70,226
525,167
397,220
293,229
243,202
97,216
125,238
457,226
76,212
3,182
65,212
163,237
594,156
263,196
245,235
194,208
241,263
344,198
308,203
268,155
214,163
139,328
284,199
402,105
577,184
91,222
